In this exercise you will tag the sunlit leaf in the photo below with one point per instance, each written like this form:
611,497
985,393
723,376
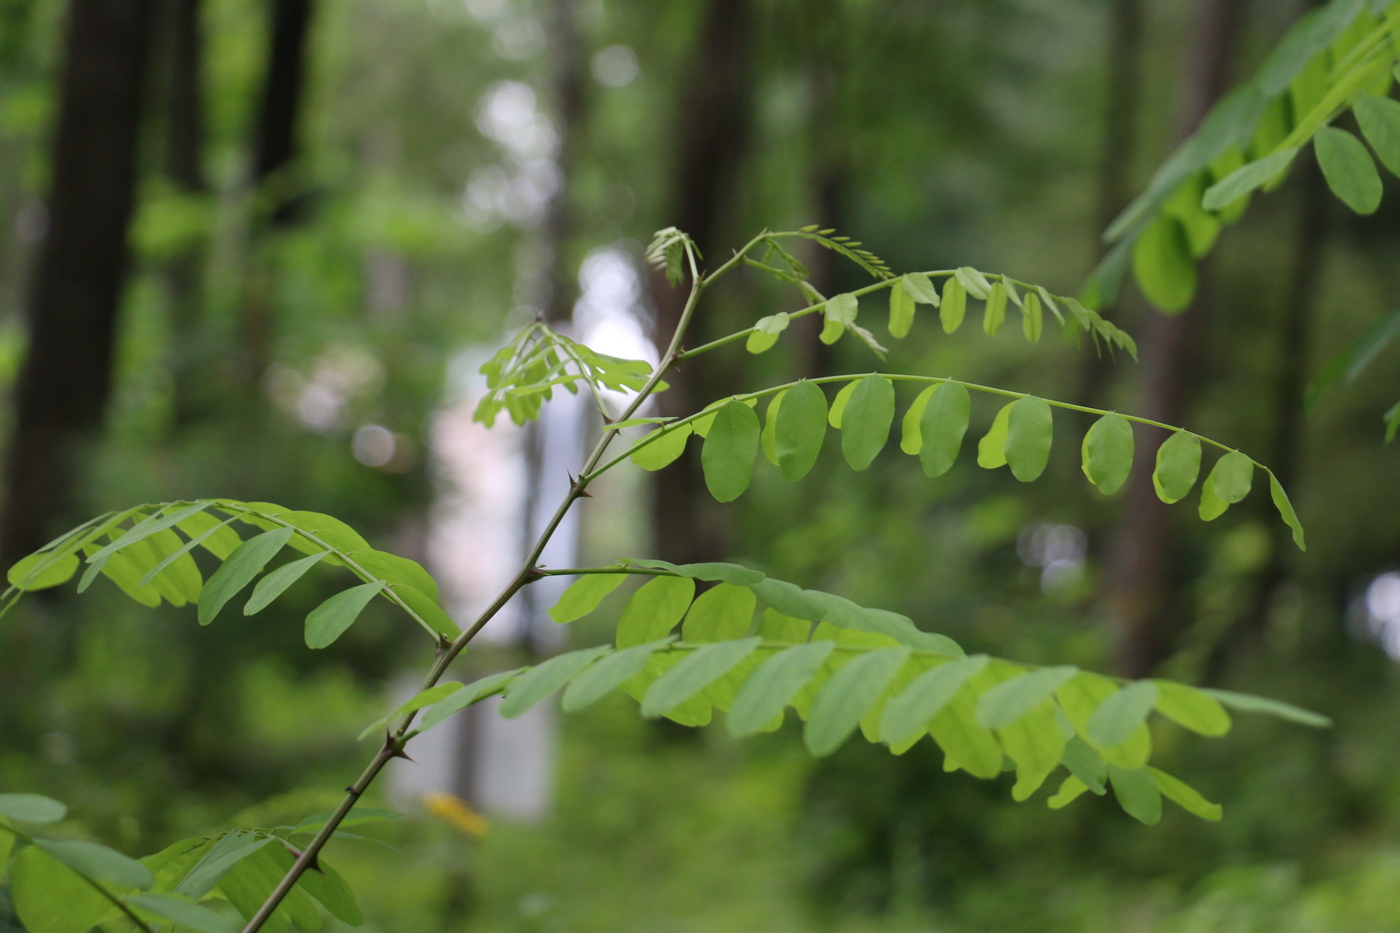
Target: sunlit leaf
770,688
1178,465
1108,453
865,424
584,595
654,610
543,679
729,451
1029,434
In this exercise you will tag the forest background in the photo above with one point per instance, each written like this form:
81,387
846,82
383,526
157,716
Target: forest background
329,210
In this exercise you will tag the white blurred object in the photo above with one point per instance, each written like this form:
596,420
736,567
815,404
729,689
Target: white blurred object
615,66
1059,552
1383,611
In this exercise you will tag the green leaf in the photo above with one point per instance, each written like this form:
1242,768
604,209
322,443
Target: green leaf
694,673
995,314
413,704
245,563
214,534
250,882
918,286
1137,793
839,311
184,912
729,451
975,282
942,426
1029,434
848,695
328,887
1349,169
1070,790
954,304
769,689
328,621
1122,714
1246,179
1185,796
865,424
721,613
191,544
426,608
1212,506
1108,453
474,692
1178,464
51,898
1232,476
1163,264
991,450
606,675
31,808
43,570
668,444
1285,508
774,626
358,816
1195,709
543,679
98,862
218,861
765,332
1085,764
710,571
768,439
156,522
1032,318
1009,700
965,743
584,595
1379,118
911,439
654,610
800,429
838,404
1392,425
1248,703
1036,743
276,583
908,713
901,310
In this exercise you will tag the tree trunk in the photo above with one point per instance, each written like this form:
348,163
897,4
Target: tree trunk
63,385
277,203
1123,87
712,138
1142,568
184,155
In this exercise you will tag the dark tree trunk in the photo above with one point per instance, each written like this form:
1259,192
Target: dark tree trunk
63,385
1285,448
184,156
711,141
283,88
275,149
1142,566
1123,94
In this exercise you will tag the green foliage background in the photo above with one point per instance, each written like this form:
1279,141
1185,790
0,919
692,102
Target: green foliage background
965,133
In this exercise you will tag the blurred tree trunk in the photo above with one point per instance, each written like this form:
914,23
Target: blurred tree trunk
569,84
1142,567
184,153
1285,449
1115,180
63,385
277,200
711,140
